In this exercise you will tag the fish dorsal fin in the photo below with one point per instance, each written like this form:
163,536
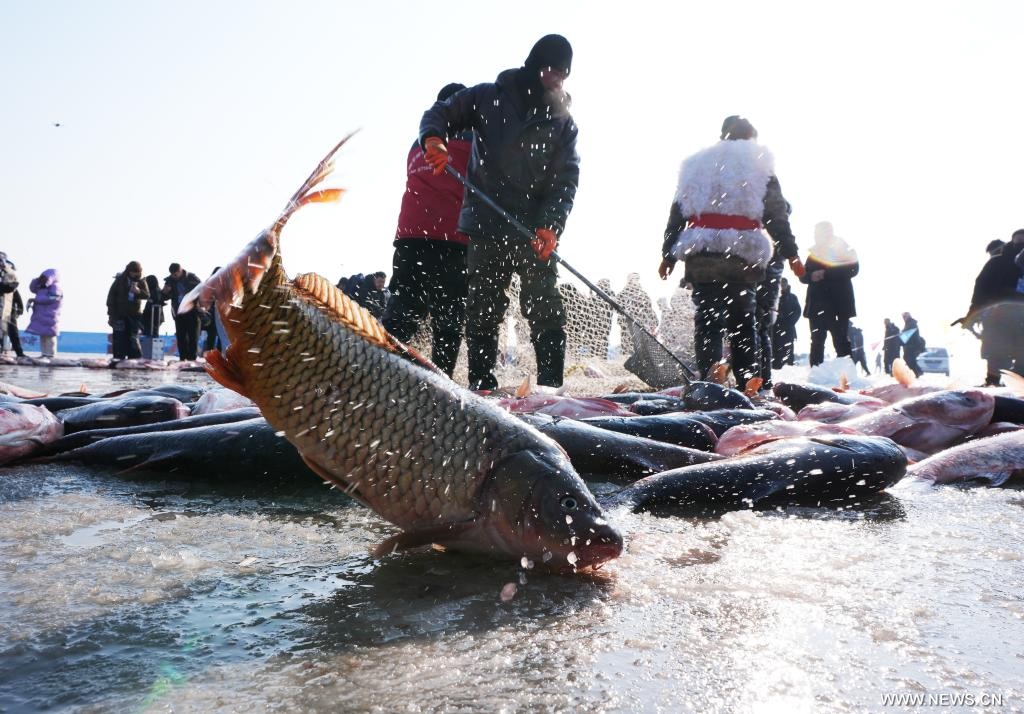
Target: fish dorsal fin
844,383
753,385
524,389
341,308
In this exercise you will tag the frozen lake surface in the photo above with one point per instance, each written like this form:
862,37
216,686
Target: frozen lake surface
149,594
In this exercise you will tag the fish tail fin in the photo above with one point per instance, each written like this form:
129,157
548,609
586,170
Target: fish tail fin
246,271
222,369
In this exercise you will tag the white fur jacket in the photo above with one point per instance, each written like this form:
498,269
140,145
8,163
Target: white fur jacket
728,178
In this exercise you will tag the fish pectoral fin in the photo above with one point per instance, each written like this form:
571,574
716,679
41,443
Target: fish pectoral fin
423,536
347,488
222,369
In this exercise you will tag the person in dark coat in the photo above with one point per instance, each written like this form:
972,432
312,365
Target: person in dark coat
524,158
428,270
856,338
726,195
999,308
831,266
913,343
17,310
784,330
8,284
177,285
891,344
124,310
153,313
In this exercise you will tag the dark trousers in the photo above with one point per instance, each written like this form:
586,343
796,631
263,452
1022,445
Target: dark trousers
782,349
767,311
890,357
733,306
12,334
491,262
910,357
859,358
821,325
186,330
429,277
126,339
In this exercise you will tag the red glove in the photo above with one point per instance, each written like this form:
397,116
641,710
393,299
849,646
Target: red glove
436,153
797,267
544,244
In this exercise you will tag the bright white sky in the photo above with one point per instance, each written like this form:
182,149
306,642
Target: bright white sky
185,126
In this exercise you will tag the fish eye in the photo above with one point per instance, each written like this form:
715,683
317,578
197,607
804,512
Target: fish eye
569,503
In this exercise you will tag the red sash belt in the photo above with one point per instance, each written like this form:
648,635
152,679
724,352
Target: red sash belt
722,220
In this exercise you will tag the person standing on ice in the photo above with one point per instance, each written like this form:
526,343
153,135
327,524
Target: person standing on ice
831,266
784,330
45,303
428,270
913,343
726,195
891,344
856,337
524,158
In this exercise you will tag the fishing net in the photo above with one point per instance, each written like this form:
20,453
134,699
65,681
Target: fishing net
596,351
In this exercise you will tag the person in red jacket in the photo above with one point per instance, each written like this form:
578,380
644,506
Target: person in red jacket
428,270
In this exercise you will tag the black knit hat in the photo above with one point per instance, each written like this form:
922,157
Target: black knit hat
550,51
448,90
737,127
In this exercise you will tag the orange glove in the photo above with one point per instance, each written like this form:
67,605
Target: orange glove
436,153
797,267
544,244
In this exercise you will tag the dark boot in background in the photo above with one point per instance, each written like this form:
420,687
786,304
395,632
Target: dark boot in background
549,346
482,353
445,350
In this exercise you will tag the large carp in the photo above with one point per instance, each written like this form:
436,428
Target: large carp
375,419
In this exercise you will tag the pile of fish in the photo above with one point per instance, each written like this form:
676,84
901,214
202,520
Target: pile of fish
333,394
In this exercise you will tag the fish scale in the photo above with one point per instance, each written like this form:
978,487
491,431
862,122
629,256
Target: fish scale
387,403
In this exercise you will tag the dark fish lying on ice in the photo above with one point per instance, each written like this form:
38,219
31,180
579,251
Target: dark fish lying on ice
796,396
678,428
825,470
89,436
250,450
181,392
121,412
443,464
606,454
721,420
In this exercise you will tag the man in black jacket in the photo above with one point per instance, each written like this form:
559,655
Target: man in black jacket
186,326
524,157
785,326
1000,309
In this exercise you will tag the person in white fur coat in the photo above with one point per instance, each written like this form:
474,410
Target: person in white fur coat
727,197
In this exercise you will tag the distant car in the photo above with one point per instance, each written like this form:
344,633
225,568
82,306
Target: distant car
934,360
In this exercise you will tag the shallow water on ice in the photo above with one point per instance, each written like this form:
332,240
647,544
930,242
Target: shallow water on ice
151,594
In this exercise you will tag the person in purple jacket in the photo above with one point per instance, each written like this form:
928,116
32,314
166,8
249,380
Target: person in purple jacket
45,306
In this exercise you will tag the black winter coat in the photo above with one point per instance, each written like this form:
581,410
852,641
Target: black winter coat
789,315
832,295
997,280
523,157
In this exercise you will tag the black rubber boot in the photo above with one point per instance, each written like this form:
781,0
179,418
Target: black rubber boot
482,352
445,351
549,346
